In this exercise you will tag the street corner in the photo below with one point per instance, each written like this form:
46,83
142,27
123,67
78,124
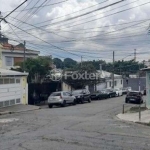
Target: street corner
136,117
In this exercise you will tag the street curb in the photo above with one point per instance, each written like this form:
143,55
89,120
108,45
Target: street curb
12,112
5,113
25,110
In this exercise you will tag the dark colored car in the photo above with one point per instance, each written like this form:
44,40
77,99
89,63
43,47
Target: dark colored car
82,95
134,97
99,95
110,93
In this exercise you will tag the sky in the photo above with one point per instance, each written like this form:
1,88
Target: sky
91,29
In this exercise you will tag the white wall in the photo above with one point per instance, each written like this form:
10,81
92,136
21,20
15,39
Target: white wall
118,85
66,87
101,86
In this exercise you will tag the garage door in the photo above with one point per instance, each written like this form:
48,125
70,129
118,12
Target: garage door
10,91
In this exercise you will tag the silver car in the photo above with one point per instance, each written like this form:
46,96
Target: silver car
61,99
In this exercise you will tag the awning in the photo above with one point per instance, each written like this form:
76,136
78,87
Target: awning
5,72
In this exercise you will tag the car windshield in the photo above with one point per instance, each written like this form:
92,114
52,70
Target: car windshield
103,91
77,92
56,94
133,94
97,92
109,90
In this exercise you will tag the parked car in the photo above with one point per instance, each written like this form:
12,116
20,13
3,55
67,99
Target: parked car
110,93
134,97
61,99
126,90
99,95
82,95
118,92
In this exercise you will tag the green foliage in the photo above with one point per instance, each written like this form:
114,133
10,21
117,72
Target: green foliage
120,67
36,67
69,63
89,68
58,62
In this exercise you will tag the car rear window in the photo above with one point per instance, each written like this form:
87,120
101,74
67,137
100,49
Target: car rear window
133,94
56,94
77,92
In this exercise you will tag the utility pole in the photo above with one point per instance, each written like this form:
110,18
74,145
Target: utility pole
13,10
134,54
139,80
0,25
24,56
4,18
81,61
113,69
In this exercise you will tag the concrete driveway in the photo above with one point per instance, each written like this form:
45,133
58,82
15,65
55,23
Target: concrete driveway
89,126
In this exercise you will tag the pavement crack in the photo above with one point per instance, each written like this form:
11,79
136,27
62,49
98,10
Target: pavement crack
23,147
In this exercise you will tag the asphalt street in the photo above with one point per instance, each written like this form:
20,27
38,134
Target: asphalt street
89,126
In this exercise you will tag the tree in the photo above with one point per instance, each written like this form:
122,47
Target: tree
58,62
69,63
37,68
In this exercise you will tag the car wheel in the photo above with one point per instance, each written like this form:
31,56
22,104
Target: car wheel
50,106
89,100
63,104
127,101
74,102
82,101
98,98
109,96
142,102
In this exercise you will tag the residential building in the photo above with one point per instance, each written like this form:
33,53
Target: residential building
11,55
118,81
105,79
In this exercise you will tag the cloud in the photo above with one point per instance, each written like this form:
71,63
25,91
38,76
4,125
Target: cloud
121,38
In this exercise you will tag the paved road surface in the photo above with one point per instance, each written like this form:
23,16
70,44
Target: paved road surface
81,127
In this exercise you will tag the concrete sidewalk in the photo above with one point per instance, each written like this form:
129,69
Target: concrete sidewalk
134,117
18,108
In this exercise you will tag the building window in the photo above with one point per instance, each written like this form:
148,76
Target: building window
6,81
12,80
17,80
115,83
9,61
110,84
18,101
121,81
1,81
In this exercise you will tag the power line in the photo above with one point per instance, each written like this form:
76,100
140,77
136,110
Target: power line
39,6
85,37
44,40
73,12
107,15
